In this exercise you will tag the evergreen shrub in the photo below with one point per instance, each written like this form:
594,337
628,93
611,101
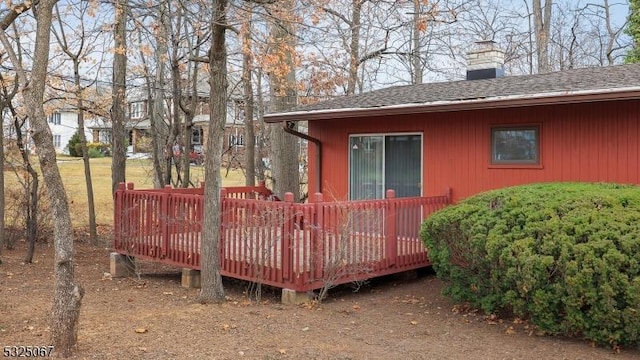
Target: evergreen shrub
565,256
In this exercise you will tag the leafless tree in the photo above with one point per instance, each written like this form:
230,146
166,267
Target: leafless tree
67,294
212,289
118,113
542,22
78,48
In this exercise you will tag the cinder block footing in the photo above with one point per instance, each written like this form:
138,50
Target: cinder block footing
190,278
292,297
408,275
121,265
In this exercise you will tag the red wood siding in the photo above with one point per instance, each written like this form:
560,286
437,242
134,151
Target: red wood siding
596,142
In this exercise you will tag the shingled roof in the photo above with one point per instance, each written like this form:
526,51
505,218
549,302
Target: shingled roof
569,86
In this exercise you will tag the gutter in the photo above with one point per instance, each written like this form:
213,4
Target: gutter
288,126
507,101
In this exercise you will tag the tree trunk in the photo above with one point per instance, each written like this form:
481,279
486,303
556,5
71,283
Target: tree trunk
247,69
93,233
354,47
416,61
542,21
31,192
32,213
212,289
67,294
284,147
118,132
2,233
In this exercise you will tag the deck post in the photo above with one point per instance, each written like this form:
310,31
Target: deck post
121,265
317,247
391,236
287,247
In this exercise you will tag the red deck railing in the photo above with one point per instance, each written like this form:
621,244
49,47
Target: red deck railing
278,243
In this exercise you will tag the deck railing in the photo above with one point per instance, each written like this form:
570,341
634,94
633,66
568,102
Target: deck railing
278,243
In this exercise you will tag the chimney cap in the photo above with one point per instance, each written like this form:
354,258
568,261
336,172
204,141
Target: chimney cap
485,60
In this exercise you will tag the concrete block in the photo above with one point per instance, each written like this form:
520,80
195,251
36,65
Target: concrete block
292,297
408,275
121,265
191,278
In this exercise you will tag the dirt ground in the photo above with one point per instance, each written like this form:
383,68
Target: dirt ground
153,317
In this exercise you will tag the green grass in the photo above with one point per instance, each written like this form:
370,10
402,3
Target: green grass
138,172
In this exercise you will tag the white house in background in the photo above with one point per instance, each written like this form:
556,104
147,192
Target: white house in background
64,123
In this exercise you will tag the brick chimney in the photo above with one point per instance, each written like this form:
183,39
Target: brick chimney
485,61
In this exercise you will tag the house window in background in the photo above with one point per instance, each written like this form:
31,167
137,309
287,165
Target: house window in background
54,118
57,141
236,140
515,145
196,135
381,162
136,110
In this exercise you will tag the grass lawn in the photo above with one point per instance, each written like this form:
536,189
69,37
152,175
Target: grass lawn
138,171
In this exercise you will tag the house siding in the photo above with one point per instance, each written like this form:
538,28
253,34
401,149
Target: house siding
594,142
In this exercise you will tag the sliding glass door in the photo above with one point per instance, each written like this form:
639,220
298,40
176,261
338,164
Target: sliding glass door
381,162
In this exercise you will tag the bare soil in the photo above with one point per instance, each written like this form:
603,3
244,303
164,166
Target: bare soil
153,317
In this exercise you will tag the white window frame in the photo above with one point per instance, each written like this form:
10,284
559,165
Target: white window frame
384,135
55,118
136,110
57,141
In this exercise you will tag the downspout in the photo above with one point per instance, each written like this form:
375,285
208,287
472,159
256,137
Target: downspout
288,126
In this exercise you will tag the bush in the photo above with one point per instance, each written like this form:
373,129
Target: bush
95,150
74,146
565,256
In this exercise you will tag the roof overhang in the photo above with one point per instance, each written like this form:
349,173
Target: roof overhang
509,101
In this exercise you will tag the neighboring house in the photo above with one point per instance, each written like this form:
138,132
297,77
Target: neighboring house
64,123
486,132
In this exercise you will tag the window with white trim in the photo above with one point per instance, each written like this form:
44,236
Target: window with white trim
55,118
137,109
57,141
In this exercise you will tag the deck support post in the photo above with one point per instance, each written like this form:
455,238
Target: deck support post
121,265
292,297
190,278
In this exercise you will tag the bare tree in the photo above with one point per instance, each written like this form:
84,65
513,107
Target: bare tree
118,133
67,294
212,289
78,51
542,21
284,147
8,91
247,81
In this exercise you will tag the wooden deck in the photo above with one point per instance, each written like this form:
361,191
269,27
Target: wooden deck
278,243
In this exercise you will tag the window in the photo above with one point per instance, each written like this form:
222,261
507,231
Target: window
57,141
54,118
136,110
236,140
515,145
381,162
196,136
104,136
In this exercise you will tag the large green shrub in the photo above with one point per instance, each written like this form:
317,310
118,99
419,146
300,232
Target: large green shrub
94,150
566,256
74,146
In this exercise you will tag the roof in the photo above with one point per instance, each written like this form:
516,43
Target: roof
569,86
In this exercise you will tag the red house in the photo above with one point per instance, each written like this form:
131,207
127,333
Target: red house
486,132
